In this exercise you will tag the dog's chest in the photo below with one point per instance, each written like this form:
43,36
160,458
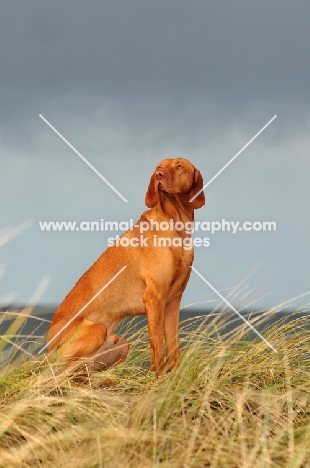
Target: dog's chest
181,271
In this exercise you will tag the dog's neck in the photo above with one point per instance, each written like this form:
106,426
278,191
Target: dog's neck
175,206
171,206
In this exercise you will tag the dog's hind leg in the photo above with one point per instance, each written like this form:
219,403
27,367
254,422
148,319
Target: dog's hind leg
86,343
113,351
81,339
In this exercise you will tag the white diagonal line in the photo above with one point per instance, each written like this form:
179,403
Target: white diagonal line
233,158
235,310
83,158
83,308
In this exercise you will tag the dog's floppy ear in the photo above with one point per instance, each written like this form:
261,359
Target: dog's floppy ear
199,201
151,197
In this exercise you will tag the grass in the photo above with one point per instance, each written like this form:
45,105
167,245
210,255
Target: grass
232,402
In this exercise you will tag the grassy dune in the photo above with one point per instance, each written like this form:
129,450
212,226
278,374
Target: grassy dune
233,402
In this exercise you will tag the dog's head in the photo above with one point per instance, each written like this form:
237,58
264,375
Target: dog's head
176,176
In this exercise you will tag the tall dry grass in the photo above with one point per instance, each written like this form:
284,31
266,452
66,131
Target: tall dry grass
232,402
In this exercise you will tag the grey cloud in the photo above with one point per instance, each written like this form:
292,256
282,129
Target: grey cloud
228,50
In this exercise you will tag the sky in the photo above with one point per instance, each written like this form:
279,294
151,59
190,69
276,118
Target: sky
131,83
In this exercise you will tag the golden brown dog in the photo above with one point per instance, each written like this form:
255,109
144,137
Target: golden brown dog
155,277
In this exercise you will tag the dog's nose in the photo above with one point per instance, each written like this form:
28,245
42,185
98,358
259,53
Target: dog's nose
159,174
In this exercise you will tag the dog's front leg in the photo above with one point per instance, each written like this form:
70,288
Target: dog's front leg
155,317
171,329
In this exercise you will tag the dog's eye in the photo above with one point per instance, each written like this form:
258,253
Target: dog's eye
179,166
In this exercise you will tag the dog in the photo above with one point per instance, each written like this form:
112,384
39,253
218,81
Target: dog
158,265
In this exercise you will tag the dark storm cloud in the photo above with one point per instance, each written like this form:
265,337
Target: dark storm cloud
192,67
229,50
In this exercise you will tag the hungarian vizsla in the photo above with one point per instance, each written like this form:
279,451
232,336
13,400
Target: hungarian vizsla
157,261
